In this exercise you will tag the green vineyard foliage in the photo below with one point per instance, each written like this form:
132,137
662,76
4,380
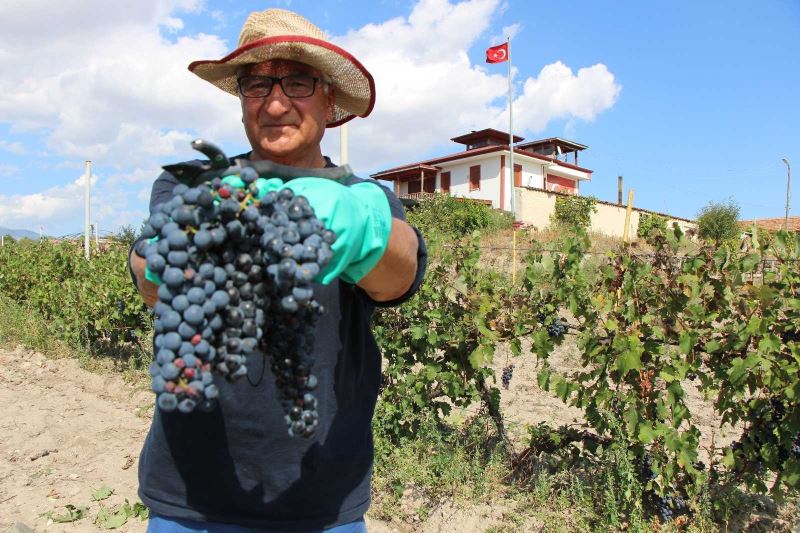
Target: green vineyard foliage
89,304
649,329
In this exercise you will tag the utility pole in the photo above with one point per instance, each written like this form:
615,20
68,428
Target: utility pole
87,192
343,145
788,184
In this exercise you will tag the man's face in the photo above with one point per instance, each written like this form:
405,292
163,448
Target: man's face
282,129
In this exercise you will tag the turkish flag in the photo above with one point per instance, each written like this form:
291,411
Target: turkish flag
497,54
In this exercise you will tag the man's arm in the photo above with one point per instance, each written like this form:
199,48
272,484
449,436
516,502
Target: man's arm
147,289
161,192
393,275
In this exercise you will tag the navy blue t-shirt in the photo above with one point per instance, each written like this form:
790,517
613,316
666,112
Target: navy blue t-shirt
238,464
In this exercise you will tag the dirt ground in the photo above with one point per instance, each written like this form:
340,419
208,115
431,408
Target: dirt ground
66,432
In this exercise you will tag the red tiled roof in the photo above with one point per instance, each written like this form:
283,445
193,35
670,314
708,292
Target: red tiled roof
772,224
476,151
488,133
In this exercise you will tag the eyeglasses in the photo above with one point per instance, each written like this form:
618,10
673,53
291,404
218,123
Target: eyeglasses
293,86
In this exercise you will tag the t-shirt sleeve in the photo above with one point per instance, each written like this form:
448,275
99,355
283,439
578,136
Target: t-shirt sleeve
422,255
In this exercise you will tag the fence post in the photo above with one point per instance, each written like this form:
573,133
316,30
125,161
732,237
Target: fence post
627,231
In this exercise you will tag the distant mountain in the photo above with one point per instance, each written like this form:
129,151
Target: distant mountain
19,233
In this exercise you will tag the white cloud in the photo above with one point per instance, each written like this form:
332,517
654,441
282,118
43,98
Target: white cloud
8,170
506,33
428,90
13,147
117,91
559,93
50,207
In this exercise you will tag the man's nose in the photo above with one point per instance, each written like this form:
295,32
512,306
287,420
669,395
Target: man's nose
277,103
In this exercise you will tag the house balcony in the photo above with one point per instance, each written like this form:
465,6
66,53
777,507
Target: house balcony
417,195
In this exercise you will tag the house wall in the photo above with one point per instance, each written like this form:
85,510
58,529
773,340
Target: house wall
533,173
459,179
534,207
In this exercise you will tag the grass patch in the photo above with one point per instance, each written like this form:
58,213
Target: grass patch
413,475
23,326
19,325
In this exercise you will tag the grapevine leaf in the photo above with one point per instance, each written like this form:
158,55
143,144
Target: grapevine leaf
687,342
712,346
112,520
630,359
102,493
73,514
543,379
646,434
418,332
737,370
478,356
750,262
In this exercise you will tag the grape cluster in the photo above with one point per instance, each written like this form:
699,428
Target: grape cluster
508,373
236,277
668,506
558,328
765,426
646,473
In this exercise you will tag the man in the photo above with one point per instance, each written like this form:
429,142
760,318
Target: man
236,468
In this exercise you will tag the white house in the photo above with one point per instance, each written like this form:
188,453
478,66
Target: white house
482,171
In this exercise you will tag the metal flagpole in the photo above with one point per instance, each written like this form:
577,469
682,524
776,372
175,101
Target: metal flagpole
511,130
86,221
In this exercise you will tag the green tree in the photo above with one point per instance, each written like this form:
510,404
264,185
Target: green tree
574,211
649,223
718,222
125,235
449,216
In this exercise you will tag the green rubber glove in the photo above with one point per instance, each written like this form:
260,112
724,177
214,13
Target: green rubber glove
263,185
359,215
149,275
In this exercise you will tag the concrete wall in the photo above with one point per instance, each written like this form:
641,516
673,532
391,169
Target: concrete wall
535,206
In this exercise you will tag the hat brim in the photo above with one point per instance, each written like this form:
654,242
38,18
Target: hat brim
353,84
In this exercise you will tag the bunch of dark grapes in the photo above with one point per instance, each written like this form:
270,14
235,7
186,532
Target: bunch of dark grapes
558,328
766,422
508,373
646,473
668,506
236,282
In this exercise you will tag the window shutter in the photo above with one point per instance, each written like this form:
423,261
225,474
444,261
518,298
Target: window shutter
475,178
430,184
445,182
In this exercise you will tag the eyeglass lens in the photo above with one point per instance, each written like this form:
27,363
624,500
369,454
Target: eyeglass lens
294,86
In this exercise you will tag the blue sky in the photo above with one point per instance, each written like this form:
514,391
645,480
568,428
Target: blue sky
690,102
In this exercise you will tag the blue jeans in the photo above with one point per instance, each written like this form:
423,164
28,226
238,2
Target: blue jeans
162,524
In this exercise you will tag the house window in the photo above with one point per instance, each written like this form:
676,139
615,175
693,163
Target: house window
429,184
517,175
414,186
475,178
445,182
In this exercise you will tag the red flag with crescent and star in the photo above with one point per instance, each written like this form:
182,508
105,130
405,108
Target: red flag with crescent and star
497,54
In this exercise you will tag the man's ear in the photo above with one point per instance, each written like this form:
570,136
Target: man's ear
331,103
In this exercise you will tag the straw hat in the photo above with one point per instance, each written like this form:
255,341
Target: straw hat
281,34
